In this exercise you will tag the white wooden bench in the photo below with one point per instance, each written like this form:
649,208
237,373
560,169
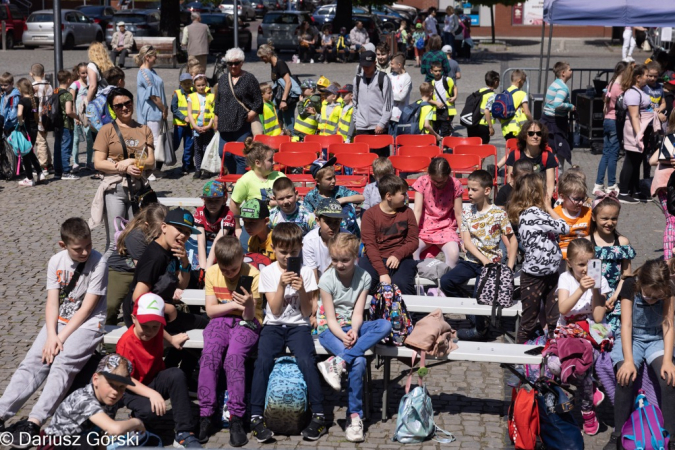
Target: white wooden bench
166,47
488,352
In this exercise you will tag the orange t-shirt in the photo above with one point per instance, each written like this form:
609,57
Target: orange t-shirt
579,226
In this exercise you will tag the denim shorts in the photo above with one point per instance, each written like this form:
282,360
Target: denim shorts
643,350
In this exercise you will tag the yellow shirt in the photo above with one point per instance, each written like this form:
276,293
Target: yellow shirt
255,245
216,284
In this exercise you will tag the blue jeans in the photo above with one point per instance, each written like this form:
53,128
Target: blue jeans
370,334
610,154
645,348
449,39
287,117
403,276
451,282
184,133
235,164
63,147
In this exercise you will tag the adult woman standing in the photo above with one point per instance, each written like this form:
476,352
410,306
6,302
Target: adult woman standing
640,114
114,191
450,27
434,54
236,87
152,109
307,37
610,149
281,76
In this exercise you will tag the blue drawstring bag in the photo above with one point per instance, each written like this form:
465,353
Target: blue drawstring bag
19,143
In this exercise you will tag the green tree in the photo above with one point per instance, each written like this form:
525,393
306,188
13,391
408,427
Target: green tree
492,4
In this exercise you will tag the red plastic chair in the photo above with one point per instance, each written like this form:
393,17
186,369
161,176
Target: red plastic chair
462,164
483,151
454,141
375,141
300,147
325,141
360,162
511,144
410,164
414,140
291,159
336,149
272,141
351,181
236,148
430,150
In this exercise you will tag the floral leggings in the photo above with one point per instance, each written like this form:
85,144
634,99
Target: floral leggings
669,232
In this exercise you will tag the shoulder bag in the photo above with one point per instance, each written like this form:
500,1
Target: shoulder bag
145,195
65,292
256,125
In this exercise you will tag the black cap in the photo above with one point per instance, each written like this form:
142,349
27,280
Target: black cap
182,218
367,59
320,164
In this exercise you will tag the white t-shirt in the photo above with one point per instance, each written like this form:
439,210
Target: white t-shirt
314,252
292,314
584,305
401,86
93,280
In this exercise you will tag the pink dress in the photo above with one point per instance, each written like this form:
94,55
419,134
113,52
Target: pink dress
438,224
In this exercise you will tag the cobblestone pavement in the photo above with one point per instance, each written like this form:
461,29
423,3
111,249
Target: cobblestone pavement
470,399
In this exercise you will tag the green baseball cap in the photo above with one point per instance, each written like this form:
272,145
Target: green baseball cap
254,209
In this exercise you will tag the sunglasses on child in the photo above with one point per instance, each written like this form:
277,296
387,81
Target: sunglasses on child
534,133
127,104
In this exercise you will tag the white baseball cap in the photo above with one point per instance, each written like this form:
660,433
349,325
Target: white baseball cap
120,24
150,308
447,49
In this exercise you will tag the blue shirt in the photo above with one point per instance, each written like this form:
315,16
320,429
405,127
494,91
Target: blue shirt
557,101
149,84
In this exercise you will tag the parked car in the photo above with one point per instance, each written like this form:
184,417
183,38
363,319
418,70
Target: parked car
101,15
260,7
199,7
141,22
222,30
410,11
15,21
76,29
326,14
279,27
387,16
246,10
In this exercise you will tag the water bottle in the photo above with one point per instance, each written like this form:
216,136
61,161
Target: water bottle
395,320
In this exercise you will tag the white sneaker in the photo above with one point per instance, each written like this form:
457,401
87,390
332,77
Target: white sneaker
41,177
152,177
311,61
26,182
332,372
354,432
598,188
69,176
45,172
613,188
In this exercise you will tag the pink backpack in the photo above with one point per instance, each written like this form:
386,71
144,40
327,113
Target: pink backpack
644,428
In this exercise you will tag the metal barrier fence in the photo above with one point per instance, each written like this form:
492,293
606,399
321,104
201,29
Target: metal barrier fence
658,41
581,78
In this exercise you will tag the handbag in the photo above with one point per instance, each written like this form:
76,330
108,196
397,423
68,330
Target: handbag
145,195
256,125
211,161
164,148
20,142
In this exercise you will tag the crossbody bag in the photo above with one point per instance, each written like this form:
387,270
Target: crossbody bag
256,125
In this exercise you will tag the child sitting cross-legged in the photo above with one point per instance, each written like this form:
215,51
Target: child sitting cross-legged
75,311
342,330
143,345
288,209
229,338
390,237
90,411
291,300
483,227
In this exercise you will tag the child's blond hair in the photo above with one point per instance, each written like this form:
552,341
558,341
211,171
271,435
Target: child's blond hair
529,191
7,78
265,87
228,250
344,243
572,185
324,172
381,167
426,90
37,70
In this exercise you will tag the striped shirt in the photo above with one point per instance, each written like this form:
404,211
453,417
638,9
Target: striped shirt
557,99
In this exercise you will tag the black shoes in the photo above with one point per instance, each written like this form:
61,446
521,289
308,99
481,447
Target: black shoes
259,430
237,434
316,428
23,433
206,429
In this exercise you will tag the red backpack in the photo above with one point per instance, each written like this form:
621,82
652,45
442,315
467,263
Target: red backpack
544,155
523,418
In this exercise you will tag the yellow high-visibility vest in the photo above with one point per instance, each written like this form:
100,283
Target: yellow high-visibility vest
182,107
451,87
270,120
345,121
208,106
329,123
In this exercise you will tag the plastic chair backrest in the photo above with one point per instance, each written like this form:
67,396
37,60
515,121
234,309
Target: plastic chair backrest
416,140
430,150
300,147
272,141
483,151
375,141
463,163
292,159
357,160
410,163
454,141
336,149
511,144
325,141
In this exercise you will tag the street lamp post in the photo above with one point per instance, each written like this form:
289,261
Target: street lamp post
236,23
58,48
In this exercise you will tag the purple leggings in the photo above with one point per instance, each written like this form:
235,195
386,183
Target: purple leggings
219,334
669,232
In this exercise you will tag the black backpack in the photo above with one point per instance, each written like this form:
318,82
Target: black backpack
51,112
471,113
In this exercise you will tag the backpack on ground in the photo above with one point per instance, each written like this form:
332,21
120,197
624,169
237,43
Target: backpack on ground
523,419
51,112
471,113
387,303
503,107
415,420
644,429
409,122
97,110
286,408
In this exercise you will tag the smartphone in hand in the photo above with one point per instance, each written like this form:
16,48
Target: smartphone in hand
293,264
245,282
595,272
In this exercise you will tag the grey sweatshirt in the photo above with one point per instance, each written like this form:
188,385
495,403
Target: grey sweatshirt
372,107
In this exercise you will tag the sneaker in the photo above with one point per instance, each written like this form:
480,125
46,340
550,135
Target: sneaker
316,428
311,61
197,175
237,434
206,429
598,188
76,168
152,177
591,424
625,198
354,432
69,176
45,172
471,334
332,372
613,188
259,430
26,182
41,178
613,443
185,439
24,433
598,397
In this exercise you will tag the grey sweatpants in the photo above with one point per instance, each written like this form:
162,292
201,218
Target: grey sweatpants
31,373
116,204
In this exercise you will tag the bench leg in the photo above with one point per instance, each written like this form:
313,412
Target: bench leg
517,327
385,389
